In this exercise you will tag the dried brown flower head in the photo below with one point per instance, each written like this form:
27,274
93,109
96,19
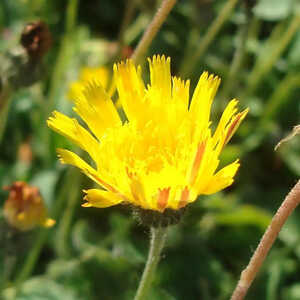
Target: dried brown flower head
36,39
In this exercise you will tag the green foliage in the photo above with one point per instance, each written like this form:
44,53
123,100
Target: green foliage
39,288
274,10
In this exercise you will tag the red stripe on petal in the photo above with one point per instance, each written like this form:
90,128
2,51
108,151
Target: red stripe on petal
104,184
184,197
197,161
233,127
163,196
109,187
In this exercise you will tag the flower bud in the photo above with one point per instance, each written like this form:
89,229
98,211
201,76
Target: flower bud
24,208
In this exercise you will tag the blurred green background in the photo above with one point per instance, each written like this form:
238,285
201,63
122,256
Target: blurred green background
100,253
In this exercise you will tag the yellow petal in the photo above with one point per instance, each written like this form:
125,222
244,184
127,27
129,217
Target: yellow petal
202,98
96,109
71,129
204,163
160,76
88,74
91,73
68,157
180,91
228,124
200,106
227,115
130,87
234,124
75,90
222,179
101,198
48,222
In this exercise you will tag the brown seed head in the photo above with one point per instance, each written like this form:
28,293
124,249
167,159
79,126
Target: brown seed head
36,39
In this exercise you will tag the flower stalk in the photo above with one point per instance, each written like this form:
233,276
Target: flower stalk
158,237
212,32
247,276
128,15
152,29
32,258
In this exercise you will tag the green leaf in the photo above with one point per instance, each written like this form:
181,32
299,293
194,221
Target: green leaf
41,288
71,274
46,181
245,215
292,293
273,10
289,234
294,54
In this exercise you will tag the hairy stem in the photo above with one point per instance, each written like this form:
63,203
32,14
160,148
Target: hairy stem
152,29
158,237
128,15
247,276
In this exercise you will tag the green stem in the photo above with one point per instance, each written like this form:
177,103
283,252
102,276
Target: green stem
237,62
66,219
277,99
64,55
152,29
65,52
71,16
42,235
9,239
32,257
158,237
5,101
261,69
209,37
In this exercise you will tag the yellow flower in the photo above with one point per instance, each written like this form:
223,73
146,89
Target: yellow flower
24,208
87,74
165,155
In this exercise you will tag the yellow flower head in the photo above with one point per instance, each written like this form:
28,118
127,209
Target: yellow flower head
24,208
87,74
165,154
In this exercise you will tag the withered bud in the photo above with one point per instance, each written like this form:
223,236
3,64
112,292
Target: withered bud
36,39
24,208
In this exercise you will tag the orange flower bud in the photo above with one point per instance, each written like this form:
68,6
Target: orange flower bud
24,208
